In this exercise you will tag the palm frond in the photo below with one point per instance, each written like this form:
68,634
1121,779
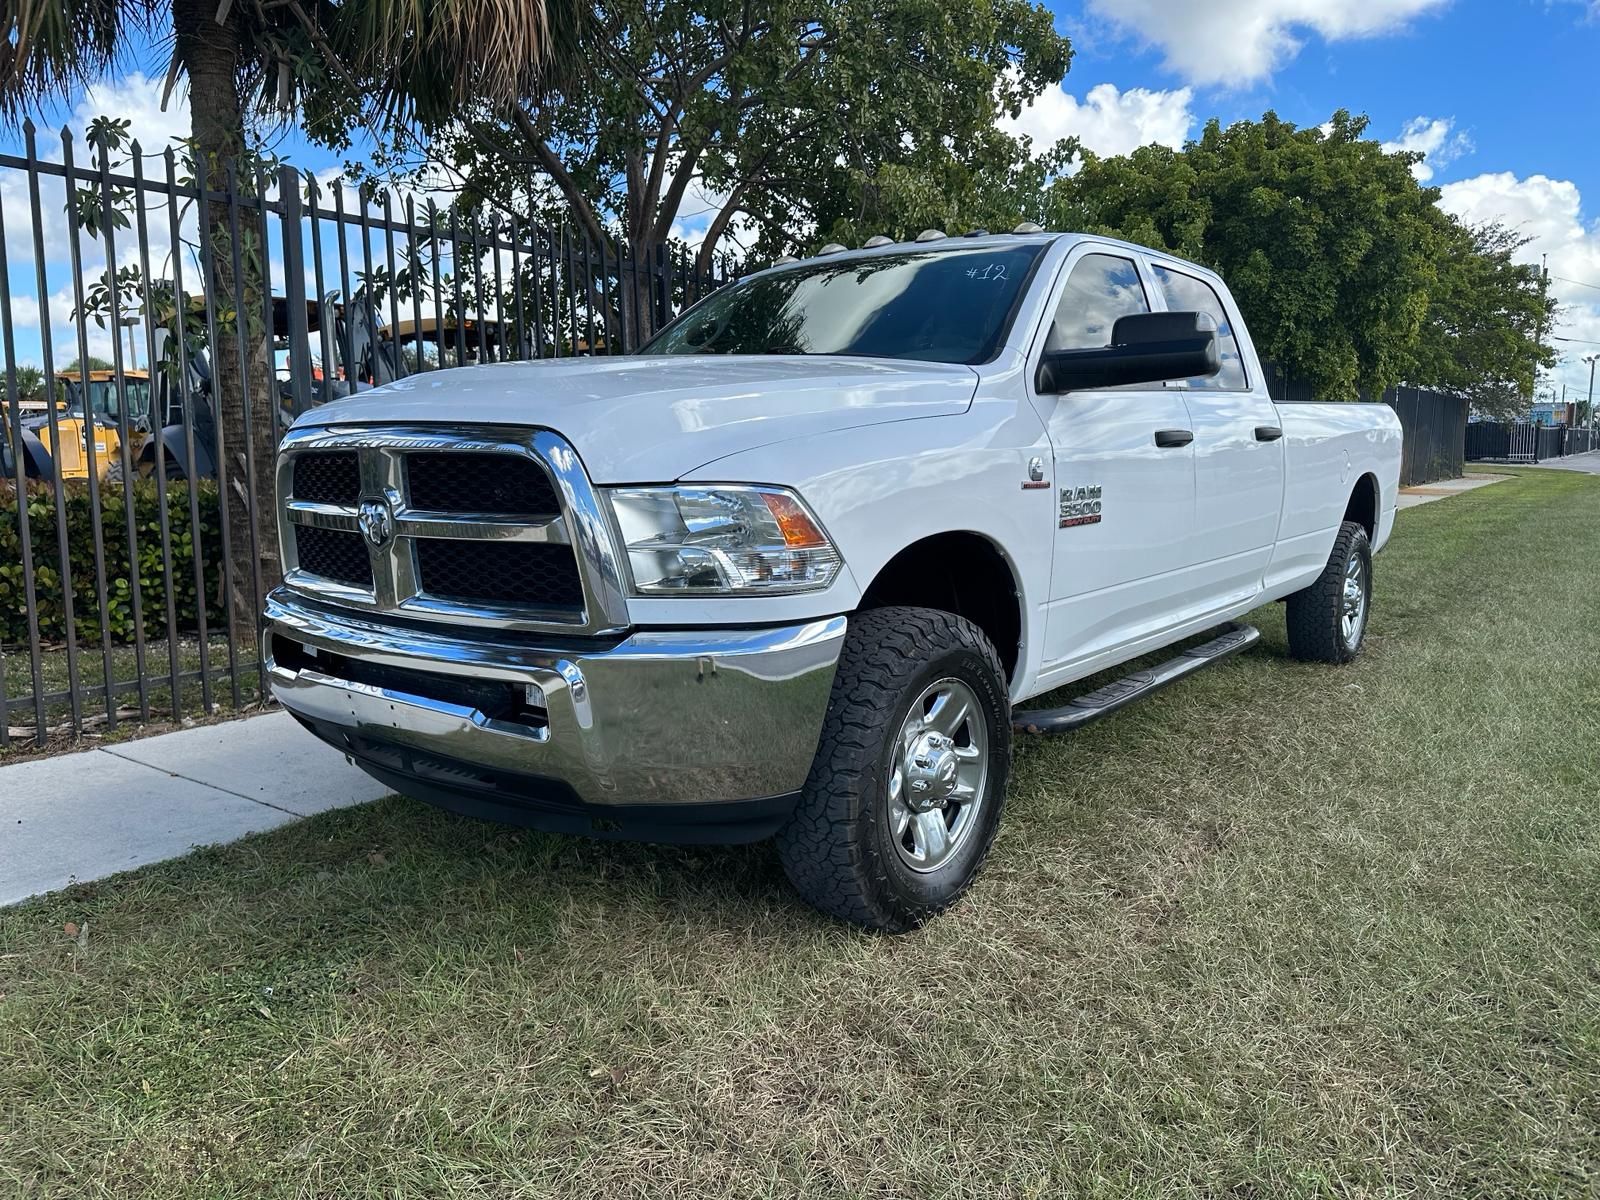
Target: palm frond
428,60
51,48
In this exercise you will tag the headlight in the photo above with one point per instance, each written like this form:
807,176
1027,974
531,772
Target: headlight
699,540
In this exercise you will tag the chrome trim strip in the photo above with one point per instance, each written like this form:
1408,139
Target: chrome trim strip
534,733
442,608
417,523
478,528
321,516
583,524
327,589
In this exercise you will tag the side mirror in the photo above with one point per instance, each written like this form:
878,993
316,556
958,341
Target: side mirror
1145,348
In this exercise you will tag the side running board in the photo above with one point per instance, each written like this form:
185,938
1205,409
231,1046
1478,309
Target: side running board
1120,693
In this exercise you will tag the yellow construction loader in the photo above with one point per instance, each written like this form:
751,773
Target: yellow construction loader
93,408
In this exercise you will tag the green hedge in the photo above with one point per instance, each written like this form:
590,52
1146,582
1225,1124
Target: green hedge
153,578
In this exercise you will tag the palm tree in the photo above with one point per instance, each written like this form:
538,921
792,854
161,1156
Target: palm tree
398,60
411,58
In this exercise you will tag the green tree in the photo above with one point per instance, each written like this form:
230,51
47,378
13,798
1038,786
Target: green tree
1328,242
1481,336
799,116
30,384
96,363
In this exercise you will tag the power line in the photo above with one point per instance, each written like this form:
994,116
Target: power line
1585,341
1578,282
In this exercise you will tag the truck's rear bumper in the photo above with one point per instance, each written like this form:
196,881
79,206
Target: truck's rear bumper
681,735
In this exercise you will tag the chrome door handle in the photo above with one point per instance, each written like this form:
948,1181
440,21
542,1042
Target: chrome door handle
1171,439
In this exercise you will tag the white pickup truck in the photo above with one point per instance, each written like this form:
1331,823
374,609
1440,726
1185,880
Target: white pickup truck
797,567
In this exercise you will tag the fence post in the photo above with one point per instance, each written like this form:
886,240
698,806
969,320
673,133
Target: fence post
663,285
294,291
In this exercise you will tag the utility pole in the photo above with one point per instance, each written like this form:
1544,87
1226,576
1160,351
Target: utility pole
1538,335
1591,359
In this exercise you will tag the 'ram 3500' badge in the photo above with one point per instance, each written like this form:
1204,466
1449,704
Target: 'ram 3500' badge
1080,506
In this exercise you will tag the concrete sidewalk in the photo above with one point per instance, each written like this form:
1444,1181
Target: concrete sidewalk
1426,493
1588,463
93,813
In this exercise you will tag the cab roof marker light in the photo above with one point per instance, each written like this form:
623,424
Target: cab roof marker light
877,239
931,235
783,260
976,233
832,248
1028,227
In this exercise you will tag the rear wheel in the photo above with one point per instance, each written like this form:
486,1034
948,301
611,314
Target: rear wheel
907,789
1327,621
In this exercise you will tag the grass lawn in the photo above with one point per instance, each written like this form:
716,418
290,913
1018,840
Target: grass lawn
1283,931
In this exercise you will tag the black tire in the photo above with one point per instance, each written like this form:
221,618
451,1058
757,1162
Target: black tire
1315,615
838,849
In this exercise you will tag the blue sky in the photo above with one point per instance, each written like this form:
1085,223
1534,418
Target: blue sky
1517,77
1500,93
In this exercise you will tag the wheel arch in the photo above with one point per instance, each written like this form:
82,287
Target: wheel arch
961,572
1364,505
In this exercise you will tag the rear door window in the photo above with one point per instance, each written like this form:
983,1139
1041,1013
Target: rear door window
1186,293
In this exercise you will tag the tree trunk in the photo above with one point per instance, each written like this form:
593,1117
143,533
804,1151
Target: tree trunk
209,53
654,290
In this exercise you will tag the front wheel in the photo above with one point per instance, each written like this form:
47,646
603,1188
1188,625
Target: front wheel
906,792
1328,620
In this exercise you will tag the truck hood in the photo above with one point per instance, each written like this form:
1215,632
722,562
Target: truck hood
643,420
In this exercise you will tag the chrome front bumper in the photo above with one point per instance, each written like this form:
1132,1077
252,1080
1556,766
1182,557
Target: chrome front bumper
658,718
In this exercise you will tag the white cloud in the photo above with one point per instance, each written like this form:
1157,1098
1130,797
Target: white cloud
1107,121
24,312
1235,43
1436,138
135,99
1550,213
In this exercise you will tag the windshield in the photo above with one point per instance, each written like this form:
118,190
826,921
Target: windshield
935,305
103,398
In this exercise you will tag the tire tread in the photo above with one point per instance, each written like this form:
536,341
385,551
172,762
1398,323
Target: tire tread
1312,614
823,847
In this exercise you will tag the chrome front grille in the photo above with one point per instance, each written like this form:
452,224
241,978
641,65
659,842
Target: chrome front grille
469,524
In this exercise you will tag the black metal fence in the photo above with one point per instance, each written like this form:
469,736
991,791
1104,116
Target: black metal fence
137,536
1434,426
1526,442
